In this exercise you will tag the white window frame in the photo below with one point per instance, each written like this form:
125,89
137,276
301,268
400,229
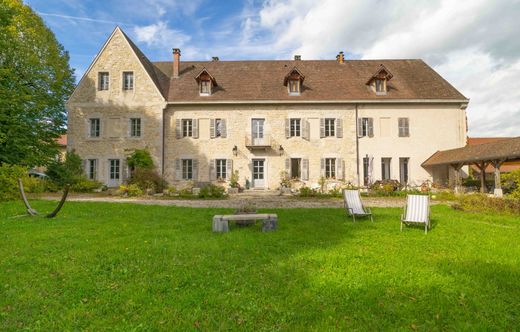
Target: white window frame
383,168
330,168
187,127
103,80
295,127
92,165
187,169
218,127
128,84
221,169
205,88
94,130
403,130
330,127
114,169
294,87
364,127
135,127
380,86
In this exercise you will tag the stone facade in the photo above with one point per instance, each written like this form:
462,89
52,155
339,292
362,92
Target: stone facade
433,126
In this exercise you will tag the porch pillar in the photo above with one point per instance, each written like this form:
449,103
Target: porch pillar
498,185
482,167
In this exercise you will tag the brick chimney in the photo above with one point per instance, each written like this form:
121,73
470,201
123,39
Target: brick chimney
297,57
176,62
340,57
215,58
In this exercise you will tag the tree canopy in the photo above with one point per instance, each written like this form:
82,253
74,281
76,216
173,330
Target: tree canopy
35,82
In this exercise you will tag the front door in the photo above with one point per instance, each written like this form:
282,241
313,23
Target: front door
114,172
257,129
258,173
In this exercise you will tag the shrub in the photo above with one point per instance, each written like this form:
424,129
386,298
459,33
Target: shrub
147,179
511,183
130,190
85,186
68,171
212,191
336,192
233,181
285,180
9,175
140,159
35,185
308,192
485,204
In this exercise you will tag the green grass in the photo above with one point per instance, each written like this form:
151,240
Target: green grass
107,266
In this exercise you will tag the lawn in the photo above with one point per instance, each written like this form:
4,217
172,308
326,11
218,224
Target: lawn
101,266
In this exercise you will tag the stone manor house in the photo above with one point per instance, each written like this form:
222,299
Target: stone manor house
346,120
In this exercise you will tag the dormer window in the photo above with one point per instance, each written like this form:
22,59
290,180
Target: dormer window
206,82
294,81
378,81
294,87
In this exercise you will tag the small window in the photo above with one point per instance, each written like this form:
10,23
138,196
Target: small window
296,168
366,170
221,168
128,80
205,87
385,168
135,127
295,129
95,127
329,127
404,127
364,127
92,169
380,86
187,169
114,169
103,81
218,127
187,128
330,168
403,170
294,87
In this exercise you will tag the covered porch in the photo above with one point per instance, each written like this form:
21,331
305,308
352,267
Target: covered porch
482,155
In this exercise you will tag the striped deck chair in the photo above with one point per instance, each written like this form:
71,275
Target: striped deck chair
417,211
354,206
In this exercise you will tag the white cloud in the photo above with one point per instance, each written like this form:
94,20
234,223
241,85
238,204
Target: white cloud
159,35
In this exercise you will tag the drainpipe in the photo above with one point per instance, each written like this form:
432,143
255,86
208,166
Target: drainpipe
163,140
357,148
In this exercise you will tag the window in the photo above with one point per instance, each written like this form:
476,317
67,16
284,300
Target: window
366,170
364,127
294,87
205,87
135,127
187,169
403,170
221,168
92,169
296,168
103,81
187,128
330,168
295,129
380,86
114,169
128,80
385,168
218,127
329,127
95,127
404,127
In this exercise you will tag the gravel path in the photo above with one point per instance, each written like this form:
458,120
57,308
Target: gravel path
260,199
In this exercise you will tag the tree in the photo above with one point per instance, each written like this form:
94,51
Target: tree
35,81
68,171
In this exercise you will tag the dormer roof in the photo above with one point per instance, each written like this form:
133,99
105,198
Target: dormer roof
294,74
204,75
382,74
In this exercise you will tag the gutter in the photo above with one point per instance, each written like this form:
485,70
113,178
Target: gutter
357,148
464,102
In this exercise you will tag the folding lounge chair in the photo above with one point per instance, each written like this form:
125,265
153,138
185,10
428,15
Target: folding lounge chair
354,206
417,211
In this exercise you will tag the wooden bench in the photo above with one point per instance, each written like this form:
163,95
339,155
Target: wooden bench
221,222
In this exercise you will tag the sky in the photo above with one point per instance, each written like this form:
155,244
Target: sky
474,44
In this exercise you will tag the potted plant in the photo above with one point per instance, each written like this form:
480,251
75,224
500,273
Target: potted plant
234,186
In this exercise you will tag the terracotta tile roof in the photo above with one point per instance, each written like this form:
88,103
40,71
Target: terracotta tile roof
507,149
62,140
324,80
480,140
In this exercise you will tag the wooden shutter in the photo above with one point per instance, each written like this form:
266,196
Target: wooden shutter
195,169
212,170
212,128
178,169
322,167
223,128
178,129
305,129
287,128
229,168
371,127
339,128
322,128
288,167
339,169
195,128
305,169
124,169
360,127
85,168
